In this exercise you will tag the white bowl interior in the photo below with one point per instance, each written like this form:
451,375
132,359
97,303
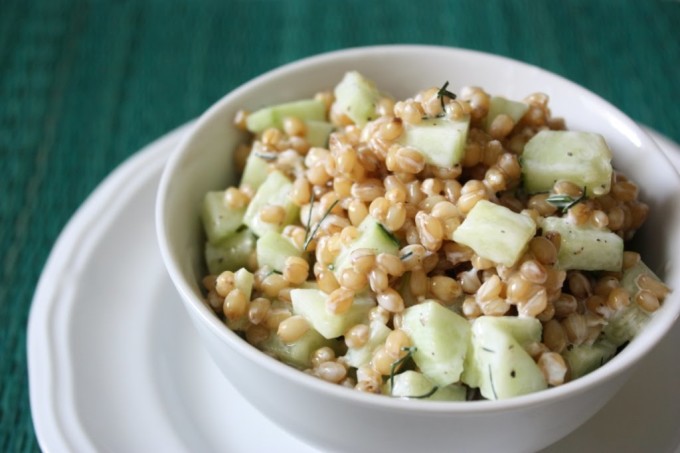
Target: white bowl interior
203,162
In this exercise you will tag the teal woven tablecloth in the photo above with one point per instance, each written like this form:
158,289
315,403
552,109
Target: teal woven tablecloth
85,84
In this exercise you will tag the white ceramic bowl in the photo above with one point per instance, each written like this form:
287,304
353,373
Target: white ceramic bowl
339,419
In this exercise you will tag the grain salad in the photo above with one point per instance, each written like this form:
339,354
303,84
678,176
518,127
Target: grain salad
455,245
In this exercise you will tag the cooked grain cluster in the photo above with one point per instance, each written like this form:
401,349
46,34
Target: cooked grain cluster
365,171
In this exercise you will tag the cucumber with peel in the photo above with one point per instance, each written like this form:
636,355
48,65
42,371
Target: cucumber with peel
356,97
358,357
372,235
297,353
497,363
311,304
585,247
495,232
273,116
582,158
441,141
412,384
273,191
499,105
231,254
219,220
440,338
273,249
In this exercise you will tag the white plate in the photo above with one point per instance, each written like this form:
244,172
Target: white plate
114,364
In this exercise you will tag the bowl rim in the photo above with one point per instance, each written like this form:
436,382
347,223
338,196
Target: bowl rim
623,361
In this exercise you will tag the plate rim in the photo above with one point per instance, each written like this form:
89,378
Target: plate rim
53,432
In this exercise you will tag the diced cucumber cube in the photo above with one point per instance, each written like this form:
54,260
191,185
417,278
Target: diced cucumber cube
273,249
497,363
495,232
500,105
318,133
623,325
372,235
626,323
411,384
230,255
440,337
255,171
583,359
297,353
244,280
311,304
580,157
219,220
357,98
585,247
525,330
629,279
274,191
405,290
273,116
357,357
441,141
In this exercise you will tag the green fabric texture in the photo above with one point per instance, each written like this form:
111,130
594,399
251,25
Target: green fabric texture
85,84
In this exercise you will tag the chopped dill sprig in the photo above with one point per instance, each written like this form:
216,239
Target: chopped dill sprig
266,155
443,92
309,217
406,256
424,395
493,387
316,227
397,363
565,202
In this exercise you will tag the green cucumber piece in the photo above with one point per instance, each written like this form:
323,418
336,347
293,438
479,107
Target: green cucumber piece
495,232
405,290
583,359
524,330
273,116
585,247
439,140
358,357
311,304
273,249
497,363
318,133
357,98
580,157
219,220
499,105
440,337
274,190
629,279
412,384
243,280
230,255
298,353
623,325
255,171
372,235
